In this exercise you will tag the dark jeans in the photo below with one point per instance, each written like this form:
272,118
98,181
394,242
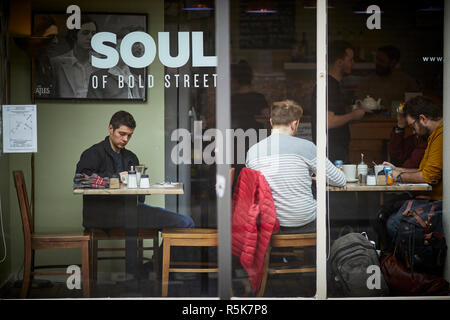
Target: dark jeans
307,228
387,221
150,217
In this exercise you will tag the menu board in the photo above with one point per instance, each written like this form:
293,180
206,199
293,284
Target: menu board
267,30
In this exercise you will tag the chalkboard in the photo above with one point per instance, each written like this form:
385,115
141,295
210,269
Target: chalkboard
267,30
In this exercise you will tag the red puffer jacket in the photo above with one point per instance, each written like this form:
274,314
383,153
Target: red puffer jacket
253,222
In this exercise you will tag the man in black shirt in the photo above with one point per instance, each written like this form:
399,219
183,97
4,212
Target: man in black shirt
340,63
249,109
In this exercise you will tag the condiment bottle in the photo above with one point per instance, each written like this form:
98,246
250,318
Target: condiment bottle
362,171
132,179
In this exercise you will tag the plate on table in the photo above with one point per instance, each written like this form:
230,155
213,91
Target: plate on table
165,185
352,180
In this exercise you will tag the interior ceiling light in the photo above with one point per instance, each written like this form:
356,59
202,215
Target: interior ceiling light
197,5
312,4
265,6
431,6
361,8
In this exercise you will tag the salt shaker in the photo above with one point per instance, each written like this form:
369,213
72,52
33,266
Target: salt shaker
132,179
371,178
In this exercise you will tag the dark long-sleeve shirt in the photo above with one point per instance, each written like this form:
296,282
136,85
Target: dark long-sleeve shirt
406,152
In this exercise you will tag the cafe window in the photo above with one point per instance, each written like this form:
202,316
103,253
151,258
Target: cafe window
297,144
273,63
384,70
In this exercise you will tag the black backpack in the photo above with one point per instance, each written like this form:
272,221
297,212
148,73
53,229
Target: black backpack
350,257
420,241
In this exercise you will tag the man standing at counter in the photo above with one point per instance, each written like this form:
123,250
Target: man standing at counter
340,63
425,118
110,157
388,82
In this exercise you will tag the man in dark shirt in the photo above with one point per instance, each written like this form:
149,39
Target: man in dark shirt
340,63
110,157
406,152
249,109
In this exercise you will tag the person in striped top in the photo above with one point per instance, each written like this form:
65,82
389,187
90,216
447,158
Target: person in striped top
288,162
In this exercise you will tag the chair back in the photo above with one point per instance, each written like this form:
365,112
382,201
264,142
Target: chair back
24,205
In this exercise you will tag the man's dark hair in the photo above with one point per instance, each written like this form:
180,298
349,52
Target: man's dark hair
336,50
392,52
242,72
122,118
422,105
72,35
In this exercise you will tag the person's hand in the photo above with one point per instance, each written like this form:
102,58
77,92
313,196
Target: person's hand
388,164
401,120
358,113
395,174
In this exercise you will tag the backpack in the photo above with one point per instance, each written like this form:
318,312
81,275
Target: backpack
350,257
419,241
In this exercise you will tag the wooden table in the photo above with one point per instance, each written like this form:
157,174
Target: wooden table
131,216
381,189
396,187
387,188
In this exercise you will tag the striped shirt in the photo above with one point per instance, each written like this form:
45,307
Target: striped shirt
287,164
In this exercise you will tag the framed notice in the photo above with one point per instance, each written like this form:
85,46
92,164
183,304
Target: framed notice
19,128
64,70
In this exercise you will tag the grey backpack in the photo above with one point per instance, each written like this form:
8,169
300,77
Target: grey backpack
355,267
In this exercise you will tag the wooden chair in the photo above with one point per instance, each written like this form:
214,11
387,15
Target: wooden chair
298,241
39,241
187,237
119,234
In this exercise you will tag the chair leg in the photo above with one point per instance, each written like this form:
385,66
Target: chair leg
85,269
262,288
26,273
94,259
32,266
166,266
156,254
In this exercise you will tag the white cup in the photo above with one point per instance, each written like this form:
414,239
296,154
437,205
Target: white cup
124,177
349,171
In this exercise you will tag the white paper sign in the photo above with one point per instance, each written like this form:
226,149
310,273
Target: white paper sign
19,128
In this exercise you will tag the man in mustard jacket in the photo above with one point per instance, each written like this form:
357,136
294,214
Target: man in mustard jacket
425,118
